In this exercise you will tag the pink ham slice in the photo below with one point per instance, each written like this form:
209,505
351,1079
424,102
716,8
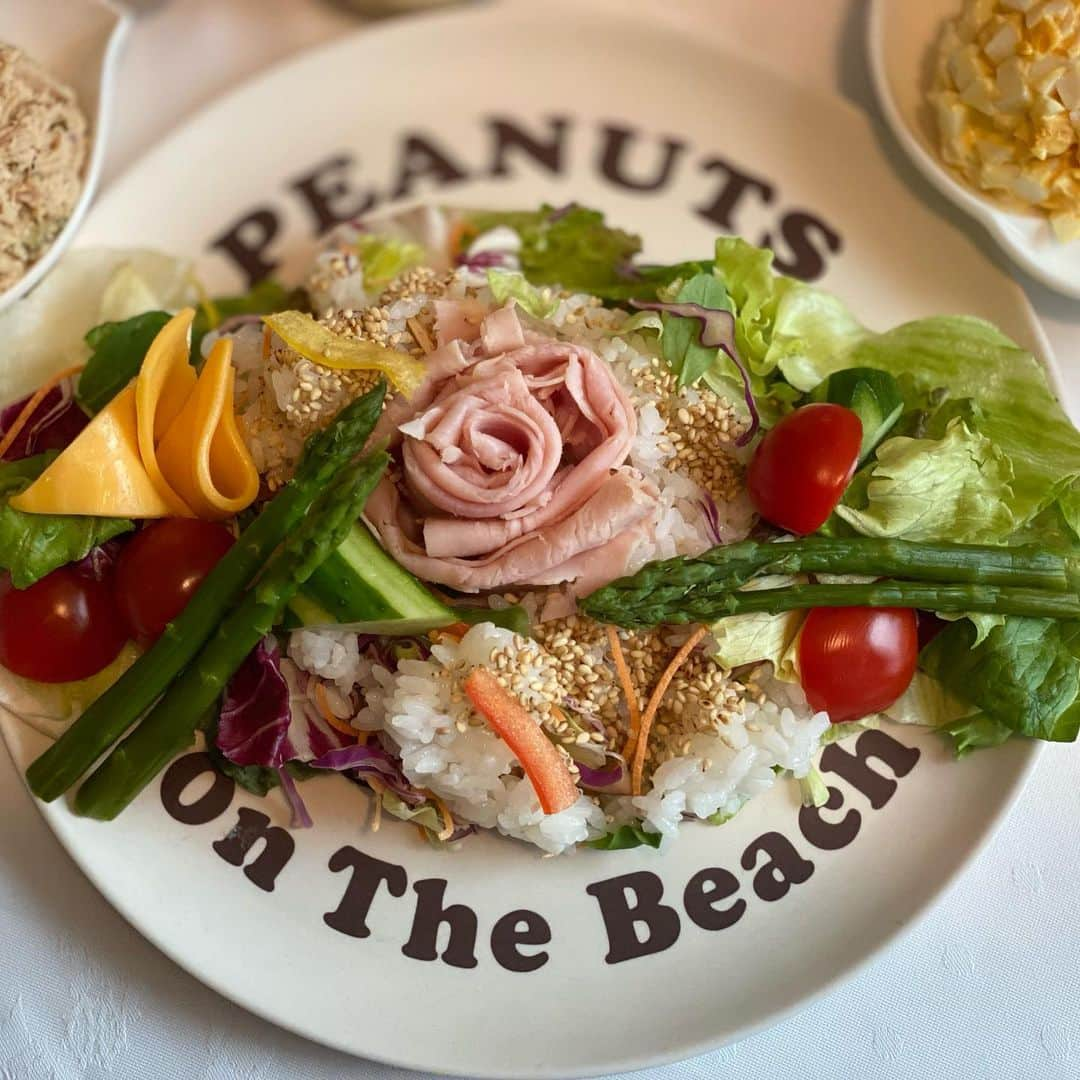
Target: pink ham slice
485,450
559,552
514,420
510,464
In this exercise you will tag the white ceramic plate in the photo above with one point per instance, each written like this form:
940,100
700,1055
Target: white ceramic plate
416,105
78,41
902,34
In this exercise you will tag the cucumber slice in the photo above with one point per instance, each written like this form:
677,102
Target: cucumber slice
515,618
873,395
360,588
361,584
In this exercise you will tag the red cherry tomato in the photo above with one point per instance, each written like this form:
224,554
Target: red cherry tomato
801,467
855,661
161,567
65,626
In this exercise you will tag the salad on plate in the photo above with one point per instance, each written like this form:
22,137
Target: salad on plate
518,531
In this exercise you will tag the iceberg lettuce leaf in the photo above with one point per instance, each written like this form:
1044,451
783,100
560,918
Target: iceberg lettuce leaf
956,488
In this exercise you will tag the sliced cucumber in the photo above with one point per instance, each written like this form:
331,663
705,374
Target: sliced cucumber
873,395
360,588
361,584
515,618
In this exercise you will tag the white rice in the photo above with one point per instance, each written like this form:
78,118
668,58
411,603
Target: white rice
333,655
721,772
446,748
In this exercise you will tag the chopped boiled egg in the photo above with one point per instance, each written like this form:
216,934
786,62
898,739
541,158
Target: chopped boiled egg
1006,100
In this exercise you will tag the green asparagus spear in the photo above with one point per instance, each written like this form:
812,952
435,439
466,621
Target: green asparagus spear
138,688
708,606
169,727
663,591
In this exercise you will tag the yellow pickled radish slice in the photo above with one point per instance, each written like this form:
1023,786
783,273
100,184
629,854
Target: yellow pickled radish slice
315,342
100,473
163,387
202,455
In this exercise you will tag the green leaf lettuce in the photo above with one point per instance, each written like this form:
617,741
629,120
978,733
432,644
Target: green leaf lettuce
33,545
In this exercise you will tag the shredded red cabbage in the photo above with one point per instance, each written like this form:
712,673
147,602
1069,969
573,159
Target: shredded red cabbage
99,561
717,332
266,716
712,517
300,819
363,761
52,425
599,778
253,725
460,832
488,260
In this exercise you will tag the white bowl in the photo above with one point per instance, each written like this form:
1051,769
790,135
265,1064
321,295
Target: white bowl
902,34
79,42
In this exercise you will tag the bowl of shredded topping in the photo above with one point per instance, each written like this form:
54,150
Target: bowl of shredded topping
985,100
56,74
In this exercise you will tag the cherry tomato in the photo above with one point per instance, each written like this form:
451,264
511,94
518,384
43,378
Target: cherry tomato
801,467
855,661
161,567
65,626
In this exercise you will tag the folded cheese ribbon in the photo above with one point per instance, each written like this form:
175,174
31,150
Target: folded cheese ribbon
164,383
203,453
99,473
166,446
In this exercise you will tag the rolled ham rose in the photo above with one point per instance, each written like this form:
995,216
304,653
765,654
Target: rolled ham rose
512,463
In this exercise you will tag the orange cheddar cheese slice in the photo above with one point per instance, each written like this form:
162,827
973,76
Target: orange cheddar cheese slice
202,454
165,382
100,473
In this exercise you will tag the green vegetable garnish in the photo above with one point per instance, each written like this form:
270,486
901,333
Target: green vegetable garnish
383,258
625,836
142,684
117,354
955,488
572,247
505,285
975,732
681,339
169,727
1008,580
874,396
33,545
1025,676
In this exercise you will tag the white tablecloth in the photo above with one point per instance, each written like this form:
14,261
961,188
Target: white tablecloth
986,986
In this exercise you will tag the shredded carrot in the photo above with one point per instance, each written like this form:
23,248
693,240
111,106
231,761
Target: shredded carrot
267,333
455,240
653,706
422,831
29,408
623,671
323,703
455,632
420,335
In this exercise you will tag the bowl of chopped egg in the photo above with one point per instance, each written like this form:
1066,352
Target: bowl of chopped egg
57,61
984,96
